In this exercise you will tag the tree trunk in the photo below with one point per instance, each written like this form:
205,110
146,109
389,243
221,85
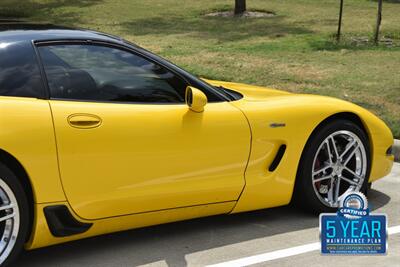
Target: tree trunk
240,7
339,30
378,21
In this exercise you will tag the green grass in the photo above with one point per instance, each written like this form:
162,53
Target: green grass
294,51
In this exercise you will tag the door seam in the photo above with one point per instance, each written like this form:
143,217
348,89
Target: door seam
57,153
248,159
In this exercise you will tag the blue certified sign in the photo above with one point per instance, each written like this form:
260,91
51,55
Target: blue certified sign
352,230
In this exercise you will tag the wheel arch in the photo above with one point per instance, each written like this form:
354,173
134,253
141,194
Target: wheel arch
344,116
341,115
16,167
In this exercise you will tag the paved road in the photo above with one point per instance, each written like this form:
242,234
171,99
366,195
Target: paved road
223,238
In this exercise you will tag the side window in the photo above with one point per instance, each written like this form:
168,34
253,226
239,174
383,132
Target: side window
101,73
19,71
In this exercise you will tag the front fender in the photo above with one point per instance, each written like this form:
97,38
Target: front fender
300,114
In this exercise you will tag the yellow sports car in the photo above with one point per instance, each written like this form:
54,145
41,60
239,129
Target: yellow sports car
98,135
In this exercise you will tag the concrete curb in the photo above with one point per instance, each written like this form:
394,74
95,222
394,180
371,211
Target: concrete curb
396,150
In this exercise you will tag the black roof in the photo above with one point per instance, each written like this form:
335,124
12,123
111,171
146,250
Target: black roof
24,31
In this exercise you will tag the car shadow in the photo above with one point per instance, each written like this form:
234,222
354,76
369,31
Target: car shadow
377,199
171,242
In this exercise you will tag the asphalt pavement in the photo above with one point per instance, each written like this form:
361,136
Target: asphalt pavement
221,239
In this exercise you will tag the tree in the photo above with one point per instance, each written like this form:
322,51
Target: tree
378,21
240,7
340,21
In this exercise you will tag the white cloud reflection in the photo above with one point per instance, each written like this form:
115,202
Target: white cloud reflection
4,45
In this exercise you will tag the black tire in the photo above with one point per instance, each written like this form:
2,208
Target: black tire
9,178
304,195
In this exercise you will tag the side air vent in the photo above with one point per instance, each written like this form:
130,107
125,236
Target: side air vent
277,159
61,222
389,151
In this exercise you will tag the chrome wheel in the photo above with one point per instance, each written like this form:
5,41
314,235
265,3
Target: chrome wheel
339,166
9,220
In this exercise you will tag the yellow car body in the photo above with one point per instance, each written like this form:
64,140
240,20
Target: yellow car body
147,164
177,177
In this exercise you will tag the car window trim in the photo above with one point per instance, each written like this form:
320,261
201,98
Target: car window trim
46,89
117,102
103,43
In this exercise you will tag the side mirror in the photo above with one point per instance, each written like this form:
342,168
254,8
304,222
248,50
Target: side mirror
195,99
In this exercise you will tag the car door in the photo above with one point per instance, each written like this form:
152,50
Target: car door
126,141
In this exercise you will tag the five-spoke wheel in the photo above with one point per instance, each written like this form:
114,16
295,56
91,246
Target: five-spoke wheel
9,220
336,160
14,216
340,165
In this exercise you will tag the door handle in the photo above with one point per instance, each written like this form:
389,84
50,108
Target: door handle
84,121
